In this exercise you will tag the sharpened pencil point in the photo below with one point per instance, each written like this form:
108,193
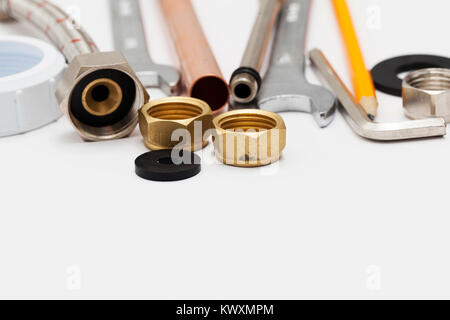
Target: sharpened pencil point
370,105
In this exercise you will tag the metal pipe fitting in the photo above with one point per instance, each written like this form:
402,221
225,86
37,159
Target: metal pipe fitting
101,95
246,80
200,71
249,138
426,94
163,123
358,119
99,92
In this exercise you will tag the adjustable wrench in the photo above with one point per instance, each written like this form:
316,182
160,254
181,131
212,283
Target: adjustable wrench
285,87
129,38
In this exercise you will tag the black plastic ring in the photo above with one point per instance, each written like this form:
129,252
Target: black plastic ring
386,74
159,166
255,74
125,82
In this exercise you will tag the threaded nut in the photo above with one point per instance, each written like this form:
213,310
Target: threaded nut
426,94
249,138
163,123
101,95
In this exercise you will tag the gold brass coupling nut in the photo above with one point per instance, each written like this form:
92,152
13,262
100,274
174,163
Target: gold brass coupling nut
249,138
176,122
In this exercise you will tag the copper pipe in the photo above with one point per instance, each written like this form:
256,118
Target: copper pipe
201,74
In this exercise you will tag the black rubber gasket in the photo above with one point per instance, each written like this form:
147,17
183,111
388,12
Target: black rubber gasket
255,74
158,166
385,74
125,82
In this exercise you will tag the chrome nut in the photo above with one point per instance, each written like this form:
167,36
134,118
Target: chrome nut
426,94
101,96
164,122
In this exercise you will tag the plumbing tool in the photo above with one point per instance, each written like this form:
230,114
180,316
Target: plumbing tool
246,80
129,38
91,90
200,71
357,117
285,87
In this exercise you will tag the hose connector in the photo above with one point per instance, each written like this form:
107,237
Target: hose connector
101,95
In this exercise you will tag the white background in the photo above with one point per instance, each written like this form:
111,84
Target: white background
338,217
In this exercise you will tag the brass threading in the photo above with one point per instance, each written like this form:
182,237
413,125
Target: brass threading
249,138
164,122
102,97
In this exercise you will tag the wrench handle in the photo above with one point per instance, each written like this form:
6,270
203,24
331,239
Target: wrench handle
289,46
129,35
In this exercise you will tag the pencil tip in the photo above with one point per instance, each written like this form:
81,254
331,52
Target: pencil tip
370,105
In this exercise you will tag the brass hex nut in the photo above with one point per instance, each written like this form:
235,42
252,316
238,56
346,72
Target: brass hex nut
249,138
176,122
86,70
426,94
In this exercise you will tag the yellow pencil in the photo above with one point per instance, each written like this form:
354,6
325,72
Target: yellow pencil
361,78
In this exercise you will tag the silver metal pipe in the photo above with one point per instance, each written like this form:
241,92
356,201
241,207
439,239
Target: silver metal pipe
60,28
359,121
246,80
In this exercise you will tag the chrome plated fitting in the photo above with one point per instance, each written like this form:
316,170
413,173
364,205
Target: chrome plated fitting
426,94
101,95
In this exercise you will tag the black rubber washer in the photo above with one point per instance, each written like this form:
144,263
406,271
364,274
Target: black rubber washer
255,74
158,166
385,74
125,82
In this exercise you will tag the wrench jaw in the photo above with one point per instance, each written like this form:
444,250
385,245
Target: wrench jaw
163,77
297,95
323,105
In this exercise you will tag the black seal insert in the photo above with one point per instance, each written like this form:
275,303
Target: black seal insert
127,86
160,166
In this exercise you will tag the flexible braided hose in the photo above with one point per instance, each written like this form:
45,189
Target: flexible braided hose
63,31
